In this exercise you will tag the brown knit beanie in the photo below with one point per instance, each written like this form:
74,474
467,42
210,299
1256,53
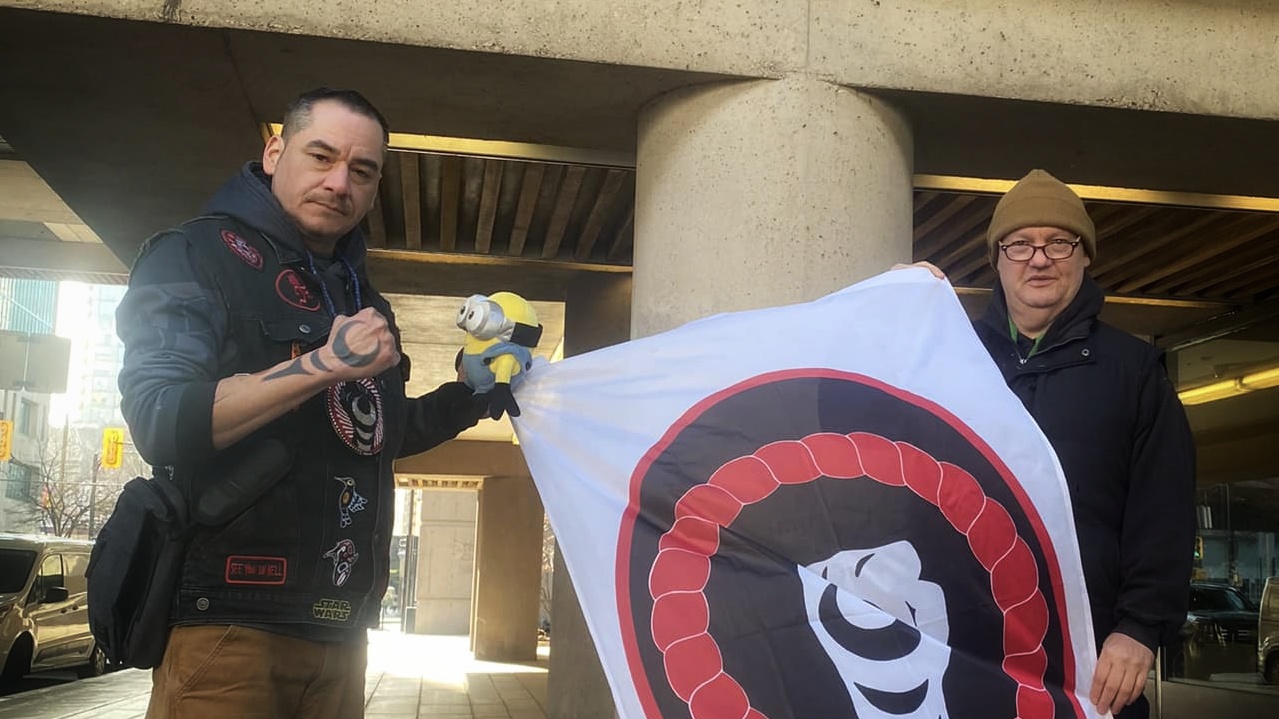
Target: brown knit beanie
1040,200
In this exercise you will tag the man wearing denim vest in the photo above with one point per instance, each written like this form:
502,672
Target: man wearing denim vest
264,371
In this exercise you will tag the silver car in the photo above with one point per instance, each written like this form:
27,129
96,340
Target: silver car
44,620
1268,632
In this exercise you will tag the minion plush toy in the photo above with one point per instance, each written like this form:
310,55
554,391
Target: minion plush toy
501,331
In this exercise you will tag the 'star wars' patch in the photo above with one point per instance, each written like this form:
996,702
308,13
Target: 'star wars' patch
355,409
242,569
290,287
332,610
243,249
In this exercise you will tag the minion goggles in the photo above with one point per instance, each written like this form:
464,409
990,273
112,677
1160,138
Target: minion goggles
484,319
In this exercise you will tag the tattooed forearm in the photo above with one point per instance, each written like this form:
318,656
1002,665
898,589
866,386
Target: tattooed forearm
316,363
294,367
347,355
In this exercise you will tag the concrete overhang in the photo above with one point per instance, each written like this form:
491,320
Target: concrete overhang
1170,56
159,115
46,259
41,237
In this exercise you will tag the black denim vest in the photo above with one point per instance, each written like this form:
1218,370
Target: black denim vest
313,549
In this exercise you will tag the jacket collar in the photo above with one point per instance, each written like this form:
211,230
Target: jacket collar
1074,322
248,198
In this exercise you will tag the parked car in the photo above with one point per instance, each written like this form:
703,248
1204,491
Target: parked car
44,620
1219,636
1268,632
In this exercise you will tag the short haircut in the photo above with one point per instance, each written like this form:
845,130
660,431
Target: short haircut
298,114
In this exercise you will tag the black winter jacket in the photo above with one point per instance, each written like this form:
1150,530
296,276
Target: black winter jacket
233,292
1104,400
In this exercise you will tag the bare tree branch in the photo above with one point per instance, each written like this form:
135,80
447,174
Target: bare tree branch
66,473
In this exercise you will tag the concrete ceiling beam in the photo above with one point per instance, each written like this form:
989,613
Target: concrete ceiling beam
1080,52
67,258
27,198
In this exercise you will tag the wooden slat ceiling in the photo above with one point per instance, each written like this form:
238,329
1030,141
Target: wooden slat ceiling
1143,250
504,208
564,212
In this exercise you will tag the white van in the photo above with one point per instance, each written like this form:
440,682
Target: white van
44,619
1268,632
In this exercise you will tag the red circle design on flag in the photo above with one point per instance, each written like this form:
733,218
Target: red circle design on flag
680,618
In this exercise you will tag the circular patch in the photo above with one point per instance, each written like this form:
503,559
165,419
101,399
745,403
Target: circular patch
355,409
242,249
818,544
293,290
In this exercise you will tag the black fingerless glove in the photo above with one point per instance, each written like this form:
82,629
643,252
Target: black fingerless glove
460,407
501,400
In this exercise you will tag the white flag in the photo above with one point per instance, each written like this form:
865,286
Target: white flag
831,509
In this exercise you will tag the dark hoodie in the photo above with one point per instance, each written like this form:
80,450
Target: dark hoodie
232,292
1104,400
247,197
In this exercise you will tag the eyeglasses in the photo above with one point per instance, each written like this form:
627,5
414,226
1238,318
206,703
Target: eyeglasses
1022,251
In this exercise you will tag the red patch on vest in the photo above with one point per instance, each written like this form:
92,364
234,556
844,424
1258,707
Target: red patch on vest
242,569
243,249
290,287
355,408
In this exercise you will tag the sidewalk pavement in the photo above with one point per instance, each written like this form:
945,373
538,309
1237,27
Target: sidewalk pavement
410,677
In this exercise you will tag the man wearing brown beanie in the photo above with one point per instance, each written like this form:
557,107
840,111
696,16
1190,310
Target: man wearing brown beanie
1104,400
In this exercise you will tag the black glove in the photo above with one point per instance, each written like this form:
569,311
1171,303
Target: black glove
460,407
501,400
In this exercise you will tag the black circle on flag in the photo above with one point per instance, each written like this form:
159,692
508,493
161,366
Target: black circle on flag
741,510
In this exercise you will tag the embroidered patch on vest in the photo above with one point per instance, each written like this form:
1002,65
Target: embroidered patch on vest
290,287
343,555
241,569
243,249
332,610
355,409
349,501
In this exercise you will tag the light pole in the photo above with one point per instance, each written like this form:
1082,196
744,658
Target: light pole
93,493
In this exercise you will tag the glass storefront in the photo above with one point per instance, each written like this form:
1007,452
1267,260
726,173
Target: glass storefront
1228,651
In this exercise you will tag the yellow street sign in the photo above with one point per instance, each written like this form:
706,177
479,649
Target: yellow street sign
6,439
112,447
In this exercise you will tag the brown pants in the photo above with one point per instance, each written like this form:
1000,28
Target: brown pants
228,671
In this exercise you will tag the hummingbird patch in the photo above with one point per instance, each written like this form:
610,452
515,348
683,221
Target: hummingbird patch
349,501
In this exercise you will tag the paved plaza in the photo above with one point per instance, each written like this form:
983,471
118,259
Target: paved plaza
410,677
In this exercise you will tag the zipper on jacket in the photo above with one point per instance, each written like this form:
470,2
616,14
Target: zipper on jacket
1014,334
1034,347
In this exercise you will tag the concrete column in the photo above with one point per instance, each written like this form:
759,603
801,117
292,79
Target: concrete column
508,570
765,192
748,195
596,314
445,560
